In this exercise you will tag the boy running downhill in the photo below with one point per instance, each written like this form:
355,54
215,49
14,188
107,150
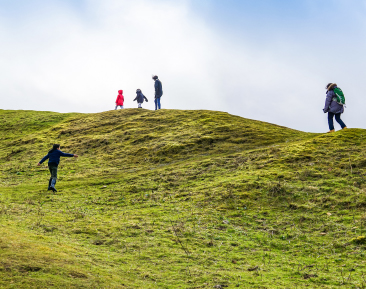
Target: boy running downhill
54,159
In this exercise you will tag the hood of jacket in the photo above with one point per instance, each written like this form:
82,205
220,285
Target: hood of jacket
120,92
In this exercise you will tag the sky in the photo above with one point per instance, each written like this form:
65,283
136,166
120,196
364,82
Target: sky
267,60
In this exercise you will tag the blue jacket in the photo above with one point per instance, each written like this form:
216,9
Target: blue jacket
54,157
140,97
158,89
330,104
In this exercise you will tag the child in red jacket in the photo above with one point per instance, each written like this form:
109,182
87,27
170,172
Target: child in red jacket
120,99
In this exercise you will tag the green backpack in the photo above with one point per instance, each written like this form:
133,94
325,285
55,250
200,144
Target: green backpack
340,99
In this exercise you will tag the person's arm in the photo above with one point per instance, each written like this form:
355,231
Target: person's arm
328,101
145,98
62,154
158,88
42,160
135,98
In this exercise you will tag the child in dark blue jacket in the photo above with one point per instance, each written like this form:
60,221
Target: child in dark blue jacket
140,98
54,159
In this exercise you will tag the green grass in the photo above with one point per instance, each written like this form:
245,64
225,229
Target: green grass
180,199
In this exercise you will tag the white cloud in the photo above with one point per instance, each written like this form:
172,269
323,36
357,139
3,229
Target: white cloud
59,57
56,59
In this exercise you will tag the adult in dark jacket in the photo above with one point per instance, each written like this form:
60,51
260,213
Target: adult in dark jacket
158,92
140,98
333,108
54,159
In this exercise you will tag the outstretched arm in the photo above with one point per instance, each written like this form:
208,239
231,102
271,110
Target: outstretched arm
68,155
42,160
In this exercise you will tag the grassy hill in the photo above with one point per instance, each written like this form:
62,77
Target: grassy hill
180,199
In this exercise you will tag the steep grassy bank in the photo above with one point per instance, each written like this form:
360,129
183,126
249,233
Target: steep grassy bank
180,199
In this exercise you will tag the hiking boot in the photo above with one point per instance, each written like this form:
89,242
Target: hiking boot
331,131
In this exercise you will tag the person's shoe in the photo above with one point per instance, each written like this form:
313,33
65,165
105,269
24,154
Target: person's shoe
345,127
331,131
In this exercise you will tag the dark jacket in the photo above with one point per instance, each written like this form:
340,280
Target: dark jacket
140,97
54,157
330,104
158,89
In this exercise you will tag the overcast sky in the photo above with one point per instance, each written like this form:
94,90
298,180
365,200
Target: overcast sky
265,59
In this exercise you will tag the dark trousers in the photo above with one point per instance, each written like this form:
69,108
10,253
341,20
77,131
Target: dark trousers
338,119
53,170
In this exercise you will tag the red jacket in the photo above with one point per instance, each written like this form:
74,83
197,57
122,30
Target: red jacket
120,99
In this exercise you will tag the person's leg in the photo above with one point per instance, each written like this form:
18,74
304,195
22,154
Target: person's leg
330,121
53,170
159,105
338,119
156,104
140,105
49,184
116,107
53,184
50,180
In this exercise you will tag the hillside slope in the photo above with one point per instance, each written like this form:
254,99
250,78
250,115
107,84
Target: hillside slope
179,199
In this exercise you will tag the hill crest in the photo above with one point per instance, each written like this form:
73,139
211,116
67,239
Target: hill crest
179,199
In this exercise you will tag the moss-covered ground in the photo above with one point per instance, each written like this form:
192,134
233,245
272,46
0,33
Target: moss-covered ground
180,199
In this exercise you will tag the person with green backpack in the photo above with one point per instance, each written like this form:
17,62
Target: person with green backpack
334,105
